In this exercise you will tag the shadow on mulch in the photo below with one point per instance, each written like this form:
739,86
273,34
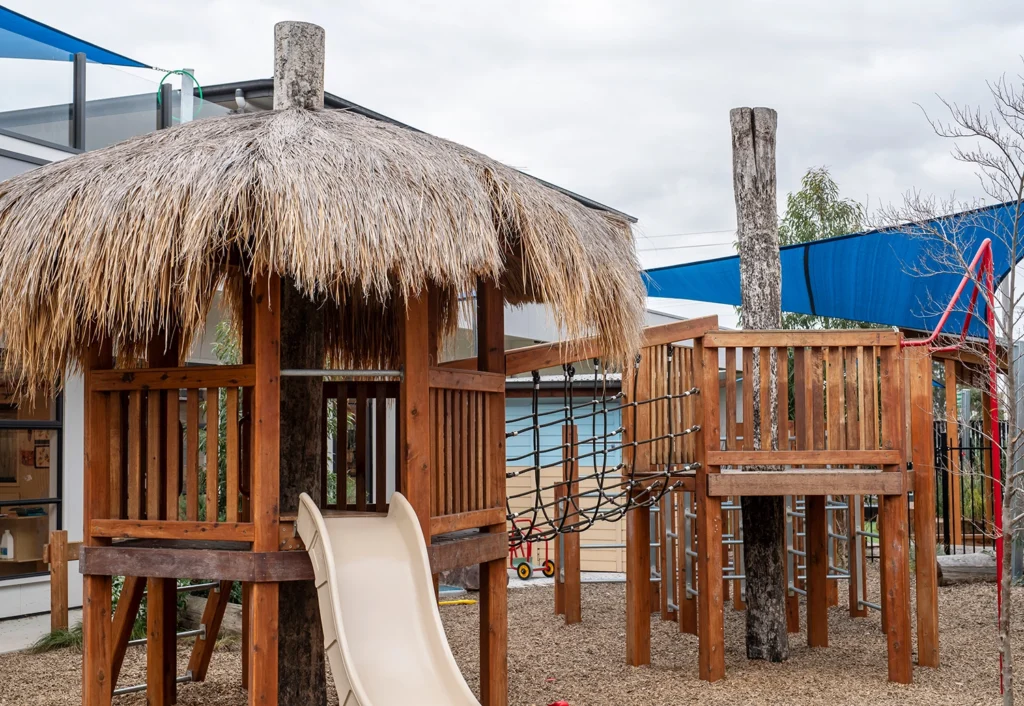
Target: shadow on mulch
585,664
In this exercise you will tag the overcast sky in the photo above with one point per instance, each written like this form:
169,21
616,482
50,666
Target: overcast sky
625,102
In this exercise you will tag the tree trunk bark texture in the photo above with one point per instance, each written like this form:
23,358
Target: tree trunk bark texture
302,677
753,150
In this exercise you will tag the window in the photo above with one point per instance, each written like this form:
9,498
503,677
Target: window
31,478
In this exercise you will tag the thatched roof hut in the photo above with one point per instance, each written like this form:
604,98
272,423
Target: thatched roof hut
136,238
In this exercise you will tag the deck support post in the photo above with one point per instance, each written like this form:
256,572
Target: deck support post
637,428
893,525
817,571
919,363
493,574
710,602
263,632
97,677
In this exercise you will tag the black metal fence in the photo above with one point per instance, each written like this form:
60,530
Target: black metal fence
964,490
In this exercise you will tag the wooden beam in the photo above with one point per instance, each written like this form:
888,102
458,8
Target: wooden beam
571,541
265,489
637,427
547,355
467,380
801,339
474,519
213,616
814,457
638,590
161,641
804,481
160,529
97,679
414,405
817,571
192,378
919,363
710,602
230,561
56,553
124,617
493,575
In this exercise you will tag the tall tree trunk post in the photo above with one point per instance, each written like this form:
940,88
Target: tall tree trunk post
753,151
302,679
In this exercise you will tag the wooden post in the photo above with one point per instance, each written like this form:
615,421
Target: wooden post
97,683
919,363
302,676
162,598
954,514
264,501
988,501
817,571
894,531
245,471
58,556
571,540
710,615
414,405
638,520
754,185
493,575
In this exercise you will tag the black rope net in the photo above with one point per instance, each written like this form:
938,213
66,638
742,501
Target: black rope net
591,487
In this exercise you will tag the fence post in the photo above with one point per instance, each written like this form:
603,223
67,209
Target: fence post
58,558
919,363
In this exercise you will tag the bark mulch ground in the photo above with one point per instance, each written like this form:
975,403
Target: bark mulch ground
584,664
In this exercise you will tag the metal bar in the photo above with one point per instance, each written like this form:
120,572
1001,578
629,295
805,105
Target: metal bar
869,604
199,632
798,552
183,679
337,373
78,102
165,114
798,591
200,587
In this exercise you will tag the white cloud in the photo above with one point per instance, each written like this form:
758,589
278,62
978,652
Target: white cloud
624,102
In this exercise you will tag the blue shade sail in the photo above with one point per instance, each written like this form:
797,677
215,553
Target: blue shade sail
23,38
902,276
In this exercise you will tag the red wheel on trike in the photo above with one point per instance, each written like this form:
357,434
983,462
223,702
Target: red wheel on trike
548,569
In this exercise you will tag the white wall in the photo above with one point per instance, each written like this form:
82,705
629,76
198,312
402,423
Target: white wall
29,595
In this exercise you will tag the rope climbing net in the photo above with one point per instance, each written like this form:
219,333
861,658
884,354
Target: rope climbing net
599,479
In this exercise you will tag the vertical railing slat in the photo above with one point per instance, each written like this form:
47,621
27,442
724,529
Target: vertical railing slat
173,450
212,454
135,500
232,450
362,429
192,455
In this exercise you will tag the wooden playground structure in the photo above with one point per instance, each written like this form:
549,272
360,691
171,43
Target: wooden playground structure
861,413
861,422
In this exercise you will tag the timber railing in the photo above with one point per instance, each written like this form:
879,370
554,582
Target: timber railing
365,413
845,390
465,471
164,426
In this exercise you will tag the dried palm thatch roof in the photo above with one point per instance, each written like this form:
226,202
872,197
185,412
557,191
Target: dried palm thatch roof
137,237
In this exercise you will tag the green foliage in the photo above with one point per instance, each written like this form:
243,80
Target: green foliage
59,640
814,212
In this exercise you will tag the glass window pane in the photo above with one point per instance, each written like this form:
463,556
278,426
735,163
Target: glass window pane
28,471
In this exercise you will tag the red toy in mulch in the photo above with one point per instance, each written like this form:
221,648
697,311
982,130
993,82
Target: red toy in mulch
560,703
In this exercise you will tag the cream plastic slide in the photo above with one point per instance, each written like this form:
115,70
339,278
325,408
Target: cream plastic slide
382,632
